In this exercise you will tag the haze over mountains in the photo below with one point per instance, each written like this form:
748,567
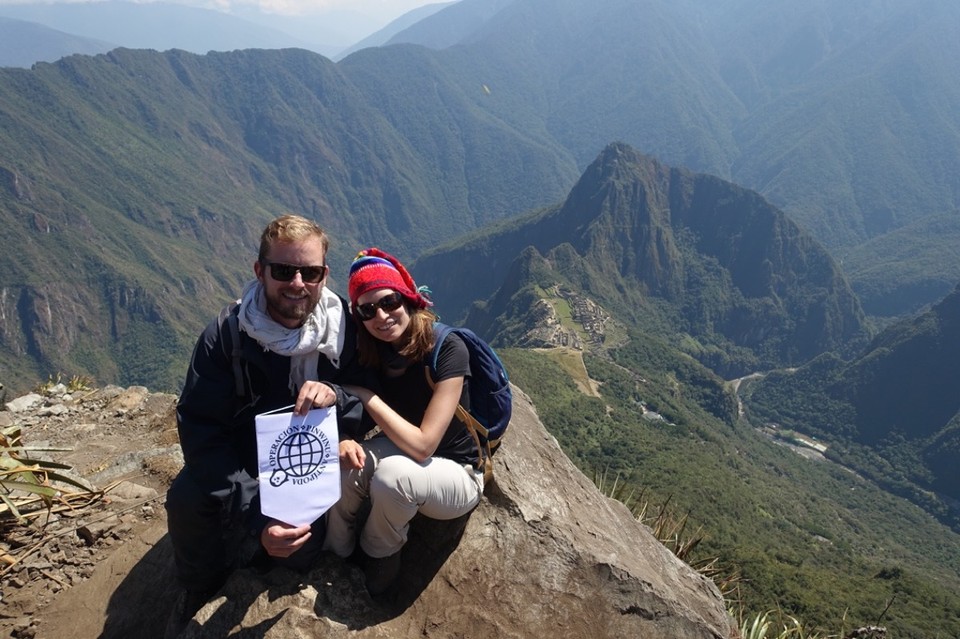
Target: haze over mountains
163,26
149,173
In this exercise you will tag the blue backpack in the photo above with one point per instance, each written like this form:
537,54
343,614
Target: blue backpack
491,402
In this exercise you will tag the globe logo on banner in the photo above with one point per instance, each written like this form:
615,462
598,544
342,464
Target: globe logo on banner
300,456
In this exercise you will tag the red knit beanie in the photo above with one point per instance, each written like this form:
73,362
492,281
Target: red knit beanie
373,269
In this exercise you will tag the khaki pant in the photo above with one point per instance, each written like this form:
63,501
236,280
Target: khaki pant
398,487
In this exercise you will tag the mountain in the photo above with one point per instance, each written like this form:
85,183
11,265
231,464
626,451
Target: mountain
386,34
904,271
892,413
155,25
23,43
843,115
134,185
639,72
710,263
407,147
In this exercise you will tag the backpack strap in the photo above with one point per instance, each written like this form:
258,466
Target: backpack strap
440,332
228,316
475,428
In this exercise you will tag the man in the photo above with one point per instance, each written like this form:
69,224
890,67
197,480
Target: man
296,344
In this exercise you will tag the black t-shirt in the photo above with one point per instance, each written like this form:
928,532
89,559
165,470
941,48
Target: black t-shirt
409,394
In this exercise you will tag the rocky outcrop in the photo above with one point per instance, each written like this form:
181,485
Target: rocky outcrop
545,554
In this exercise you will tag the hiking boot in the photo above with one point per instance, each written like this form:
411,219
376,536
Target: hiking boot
358,557
187,605
381,573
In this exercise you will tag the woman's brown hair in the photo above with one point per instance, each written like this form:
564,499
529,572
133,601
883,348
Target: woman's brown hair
419,336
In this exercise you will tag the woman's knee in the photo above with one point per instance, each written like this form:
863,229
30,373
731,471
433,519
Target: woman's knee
396,476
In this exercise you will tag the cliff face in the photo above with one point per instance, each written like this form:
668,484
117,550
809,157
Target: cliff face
545,554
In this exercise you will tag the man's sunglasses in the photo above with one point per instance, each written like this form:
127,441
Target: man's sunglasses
286,272
388,303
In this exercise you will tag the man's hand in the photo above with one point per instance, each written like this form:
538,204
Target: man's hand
352,454
314,395
282,540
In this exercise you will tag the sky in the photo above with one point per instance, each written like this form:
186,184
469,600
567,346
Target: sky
381,10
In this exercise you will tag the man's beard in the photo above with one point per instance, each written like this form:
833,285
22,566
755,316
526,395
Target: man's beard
297,311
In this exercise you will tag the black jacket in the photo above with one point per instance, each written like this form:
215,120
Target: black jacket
216,426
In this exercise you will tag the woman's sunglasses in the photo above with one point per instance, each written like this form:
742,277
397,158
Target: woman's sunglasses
388,303
286,272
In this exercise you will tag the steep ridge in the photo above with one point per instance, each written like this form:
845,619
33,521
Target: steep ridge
134,185
663,247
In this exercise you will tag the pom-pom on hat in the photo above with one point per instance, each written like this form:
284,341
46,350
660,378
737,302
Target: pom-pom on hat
373,269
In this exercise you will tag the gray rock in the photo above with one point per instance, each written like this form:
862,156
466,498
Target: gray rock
129,491
53,410
544,555
24,403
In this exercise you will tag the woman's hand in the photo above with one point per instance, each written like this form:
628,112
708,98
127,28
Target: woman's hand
314,395
352,454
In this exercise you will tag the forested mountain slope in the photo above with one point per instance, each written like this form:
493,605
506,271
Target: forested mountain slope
893,413
133,186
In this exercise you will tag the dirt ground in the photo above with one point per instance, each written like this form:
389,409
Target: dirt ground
97,565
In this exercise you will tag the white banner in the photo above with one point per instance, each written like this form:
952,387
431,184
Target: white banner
299,459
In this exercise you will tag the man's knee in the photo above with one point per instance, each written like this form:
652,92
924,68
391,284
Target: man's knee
184,493
190,500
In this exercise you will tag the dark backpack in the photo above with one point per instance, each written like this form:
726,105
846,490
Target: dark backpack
491,401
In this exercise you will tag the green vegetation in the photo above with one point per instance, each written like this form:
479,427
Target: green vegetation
808,538
133,186
711,268
30,487
890,414
903,271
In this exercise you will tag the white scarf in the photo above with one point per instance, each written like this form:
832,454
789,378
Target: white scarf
322,332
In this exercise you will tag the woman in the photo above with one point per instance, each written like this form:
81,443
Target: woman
423,458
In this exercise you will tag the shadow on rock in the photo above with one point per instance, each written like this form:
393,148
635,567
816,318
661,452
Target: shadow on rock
429,544
141,604
332,595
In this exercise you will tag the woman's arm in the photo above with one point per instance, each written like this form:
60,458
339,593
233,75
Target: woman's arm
419,443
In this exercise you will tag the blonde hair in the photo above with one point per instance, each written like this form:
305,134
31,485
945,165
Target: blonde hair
419,341
290,228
